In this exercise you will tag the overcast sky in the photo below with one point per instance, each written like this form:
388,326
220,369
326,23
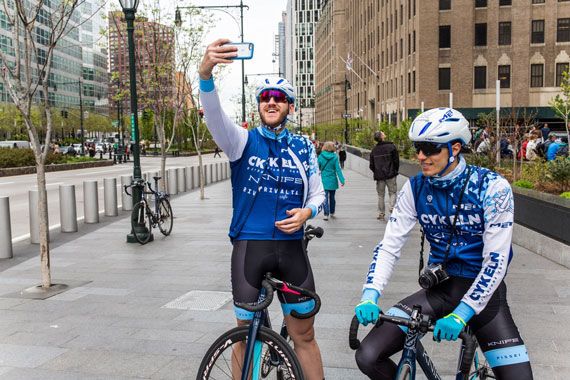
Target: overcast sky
260,27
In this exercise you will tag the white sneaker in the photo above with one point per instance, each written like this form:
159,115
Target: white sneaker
326,217
332,216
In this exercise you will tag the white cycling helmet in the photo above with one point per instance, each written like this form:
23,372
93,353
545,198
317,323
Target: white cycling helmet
276,83
440,125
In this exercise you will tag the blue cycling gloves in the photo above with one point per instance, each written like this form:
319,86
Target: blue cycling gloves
450,326
367,310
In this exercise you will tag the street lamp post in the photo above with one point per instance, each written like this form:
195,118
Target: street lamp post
129,9
346,88
178,21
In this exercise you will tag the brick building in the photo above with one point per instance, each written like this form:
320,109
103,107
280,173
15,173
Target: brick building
408,52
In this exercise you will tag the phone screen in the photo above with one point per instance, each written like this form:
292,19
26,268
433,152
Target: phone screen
245,50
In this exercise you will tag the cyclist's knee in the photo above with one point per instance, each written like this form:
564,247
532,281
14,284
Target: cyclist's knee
374,366
243,315
301,331
510,362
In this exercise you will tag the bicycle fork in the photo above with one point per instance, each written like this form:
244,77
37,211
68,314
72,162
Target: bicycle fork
253,346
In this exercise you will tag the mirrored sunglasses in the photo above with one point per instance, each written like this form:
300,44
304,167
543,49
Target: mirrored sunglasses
278,96
429,148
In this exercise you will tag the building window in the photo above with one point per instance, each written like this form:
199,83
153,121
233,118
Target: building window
445,78
505,76
481,34
480,77
444,36
538,1
414,81
561,68
480,3
563,30
444,5
505,33
536,75
504,2
537,33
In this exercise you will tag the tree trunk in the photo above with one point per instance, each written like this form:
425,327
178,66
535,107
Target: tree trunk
163,171
201,169
44,225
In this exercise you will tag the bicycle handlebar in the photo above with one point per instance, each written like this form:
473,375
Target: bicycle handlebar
270,284
423,325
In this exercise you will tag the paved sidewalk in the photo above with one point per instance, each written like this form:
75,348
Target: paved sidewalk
115,326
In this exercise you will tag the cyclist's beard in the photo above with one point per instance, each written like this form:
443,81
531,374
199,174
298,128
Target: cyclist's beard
276,128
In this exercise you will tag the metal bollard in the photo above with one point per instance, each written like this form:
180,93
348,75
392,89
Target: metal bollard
90,202
126,200
110,195
34,217
5,229
189,178
181,180
216,172
211,174
172,177
228,170
206,174
196,176
67,208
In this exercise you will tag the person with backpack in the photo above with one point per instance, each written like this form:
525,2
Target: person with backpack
331,174
384,163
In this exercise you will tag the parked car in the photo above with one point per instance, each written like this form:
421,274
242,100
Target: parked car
68,150
14,144
99,147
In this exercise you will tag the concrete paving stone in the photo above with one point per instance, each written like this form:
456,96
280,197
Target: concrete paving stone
178,368
16,355
5,370
40,374
47,338
109,363
332,373
168,335
7,303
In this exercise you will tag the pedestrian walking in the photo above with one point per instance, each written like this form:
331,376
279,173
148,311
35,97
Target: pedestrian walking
342,156
385,164
217,152
331,174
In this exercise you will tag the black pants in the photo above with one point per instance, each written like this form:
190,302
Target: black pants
494,329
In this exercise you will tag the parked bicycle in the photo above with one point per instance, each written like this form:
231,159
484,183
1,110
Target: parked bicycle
418,325
144,216
256,351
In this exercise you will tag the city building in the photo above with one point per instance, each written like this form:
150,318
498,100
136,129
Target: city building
80,57
407,54
155,62
302,17
331,80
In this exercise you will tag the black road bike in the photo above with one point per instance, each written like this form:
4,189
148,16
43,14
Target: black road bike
144,216
267,355
471,364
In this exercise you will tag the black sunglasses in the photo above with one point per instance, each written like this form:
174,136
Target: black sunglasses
429,148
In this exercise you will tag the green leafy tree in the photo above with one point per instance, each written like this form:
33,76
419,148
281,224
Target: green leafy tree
561,102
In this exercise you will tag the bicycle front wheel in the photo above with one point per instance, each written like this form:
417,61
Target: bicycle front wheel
141,223
222,360
165,217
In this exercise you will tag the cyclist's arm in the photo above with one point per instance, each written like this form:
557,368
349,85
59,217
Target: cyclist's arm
499,218
230,137
315,192
387,252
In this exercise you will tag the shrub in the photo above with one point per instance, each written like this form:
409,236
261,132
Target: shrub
524,184
14,158
559,171
565,194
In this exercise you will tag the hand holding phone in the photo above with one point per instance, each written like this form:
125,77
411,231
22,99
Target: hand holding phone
245,50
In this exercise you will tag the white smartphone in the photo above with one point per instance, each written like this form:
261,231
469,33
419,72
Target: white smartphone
245,49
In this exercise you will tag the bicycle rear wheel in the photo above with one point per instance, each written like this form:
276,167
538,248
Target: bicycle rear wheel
141,223
165,220
220,358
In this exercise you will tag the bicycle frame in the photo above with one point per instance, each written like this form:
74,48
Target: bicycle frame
253,347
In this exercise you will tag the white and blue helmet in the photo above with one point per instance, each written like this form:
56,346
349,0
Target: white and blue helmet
440,125
276,83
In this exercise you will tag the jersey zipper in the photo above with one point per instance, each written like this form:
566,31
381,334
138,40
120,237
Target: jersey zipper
278,187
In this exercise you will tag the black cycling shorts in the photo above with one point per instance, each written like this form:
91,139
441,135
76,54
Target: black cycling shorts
286,260
494,329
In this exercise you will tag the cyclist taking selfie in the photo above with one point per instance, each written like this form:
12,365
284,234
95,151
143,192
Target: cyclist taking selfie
466,214
276,188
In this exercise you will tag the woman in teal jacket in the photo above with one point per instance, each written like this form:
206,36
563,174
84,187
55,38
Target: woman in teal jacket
330,174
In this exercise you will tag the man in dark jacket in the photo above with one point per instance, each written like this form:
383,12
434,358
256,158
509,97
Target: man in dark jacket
384,163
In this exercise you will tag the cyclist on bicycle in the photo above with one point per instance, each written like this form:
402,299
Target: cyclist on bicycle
276,188
466,213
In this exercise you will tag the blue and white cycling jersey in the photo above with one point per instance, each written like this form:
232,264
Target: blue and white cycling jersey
270,174
481,247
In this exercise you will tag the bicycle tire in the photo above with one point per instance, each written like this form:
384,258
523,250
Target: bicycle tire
140,218
165,219
405,373
217,362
